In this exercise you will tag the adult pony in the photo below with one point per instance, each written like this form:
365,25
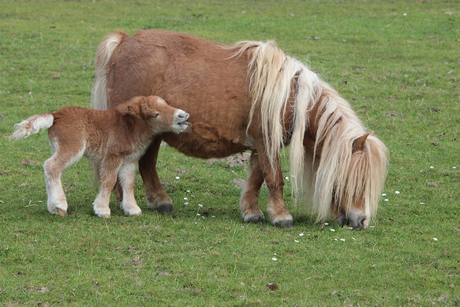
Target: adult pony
250,96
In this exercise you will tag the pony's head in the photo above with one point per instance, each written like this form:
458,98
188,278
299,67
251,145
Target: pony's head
356,195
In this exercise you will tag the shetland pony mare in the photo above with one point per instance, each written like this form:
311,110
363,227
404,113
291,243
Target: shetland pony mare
113,140
250,96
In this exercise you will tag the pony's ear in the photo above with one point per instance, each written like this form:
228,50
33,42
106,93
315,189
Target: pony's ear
358,144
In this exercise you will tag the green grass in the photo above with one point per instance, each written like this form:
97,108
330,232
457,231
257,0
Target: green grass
396,62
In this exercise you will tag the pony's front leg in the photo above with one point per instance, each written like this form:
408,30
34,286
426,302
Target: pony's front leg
274,181
126,177
154,191
109,171
249,203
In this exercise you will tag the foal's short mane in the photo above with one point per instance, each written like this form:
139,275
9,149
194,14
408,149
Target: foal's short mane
337,173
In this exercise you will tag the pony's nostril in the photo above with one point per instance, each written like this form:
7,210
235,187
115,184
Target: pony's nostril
361,223
342,221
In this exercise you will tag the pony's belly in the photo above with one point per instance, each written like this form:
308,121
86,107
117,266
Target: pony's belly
192,144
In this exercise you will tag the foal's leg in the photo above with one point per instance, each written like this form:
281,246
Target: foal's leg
154,191
249,203
274,180
109,170
126,176
54,167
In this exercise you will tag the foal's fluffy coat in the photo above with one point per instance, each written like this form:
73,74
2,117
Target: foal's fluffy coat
114,140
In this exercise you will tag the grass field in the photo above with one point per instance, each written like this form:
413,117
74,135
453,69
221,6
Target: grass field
396,62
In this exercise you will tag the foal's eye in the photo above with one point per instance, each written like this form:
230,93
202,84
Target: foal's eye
155,115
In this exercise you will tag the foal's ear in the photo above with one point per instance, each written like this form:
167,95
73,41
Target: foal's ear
134,109
358,144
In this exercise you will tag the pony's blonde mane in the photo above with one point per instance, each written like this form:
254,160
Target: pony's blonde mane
337,174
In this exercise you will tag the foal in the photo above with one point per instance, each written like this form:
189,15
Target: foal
114,140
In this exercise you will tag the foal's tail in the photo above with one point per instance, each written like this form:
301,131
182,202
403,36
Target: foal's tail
32,125
103,55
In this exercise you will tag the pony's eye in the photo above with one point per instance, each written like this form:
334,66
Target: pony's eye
155,115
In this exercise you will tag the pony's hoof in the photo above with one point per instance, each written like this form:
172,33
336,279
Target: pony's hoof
284,224
62,212
106,216
254,219
165,207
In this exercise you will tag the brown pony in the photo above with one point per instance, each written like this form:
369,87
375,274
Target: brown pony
250,96
113,140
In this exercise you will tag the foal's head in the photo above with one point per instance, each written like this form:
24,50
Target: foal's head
160,116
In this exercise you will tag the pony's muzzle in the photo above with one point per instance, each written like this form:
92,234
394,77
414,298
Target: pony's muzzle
355,221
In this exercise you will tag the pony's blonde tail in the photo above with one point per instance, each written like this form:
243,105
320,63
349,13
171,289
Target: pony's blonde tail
32,125
103,55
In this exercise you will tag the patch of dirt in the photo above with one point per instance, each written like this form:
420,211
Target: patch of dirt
239,159
239,183
393,114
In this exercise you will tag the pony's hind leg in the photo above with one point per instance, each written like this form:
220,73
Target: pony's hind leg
249,203
274,180
108,174
126,176
54,168
154,191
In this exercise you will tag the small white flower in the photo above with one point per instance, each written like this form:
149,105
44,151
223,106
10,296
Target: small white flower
177,178
198,214
397,192
200,205
332,230
454,167
353,239
422,203
274,259
274,254
188,191
432,166
296,241
185,198
287,178
405,14
384,194
186,204
435,239
343,240
386,199
336,240
213,216
326,224
301,234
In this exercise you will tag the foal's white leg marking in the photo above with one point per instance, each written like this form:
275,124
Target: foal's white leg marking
54,168
109,171
126,175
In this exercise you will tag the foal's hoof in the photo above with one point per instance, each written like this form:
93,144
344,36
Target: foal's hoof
284,224
62,212
106,216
